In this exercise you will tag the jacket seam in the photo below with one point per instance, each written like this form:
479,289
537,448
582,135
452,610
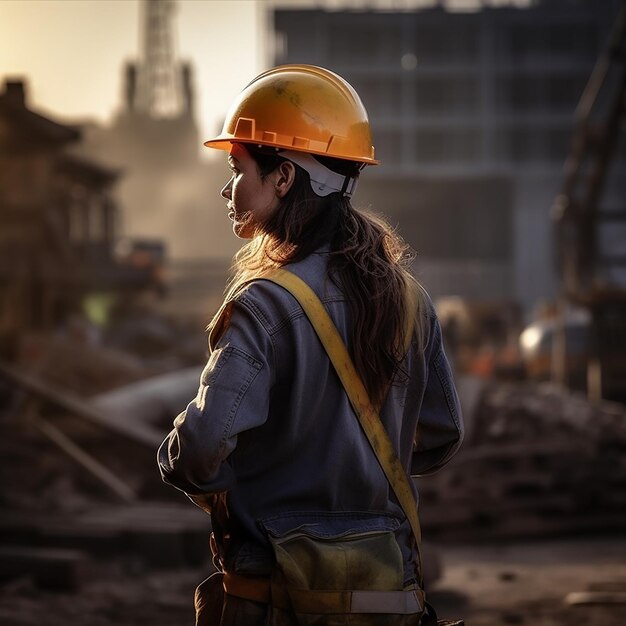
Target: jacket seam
443,381
253,371
256,312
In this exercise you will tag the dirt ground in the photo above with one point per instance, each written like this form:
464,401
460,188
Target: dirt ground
521,584
527,583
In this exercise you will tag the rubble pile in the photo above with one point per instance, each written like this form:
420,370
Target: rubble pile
87,361
537,461
78,366
65,450
80,492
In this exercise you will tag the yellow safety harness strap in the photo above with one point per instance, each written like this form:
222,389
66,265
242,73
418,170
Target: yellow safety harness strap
358,396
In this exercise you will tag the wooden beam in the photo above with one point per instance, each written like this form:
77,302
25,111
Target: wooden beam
135,431
92,465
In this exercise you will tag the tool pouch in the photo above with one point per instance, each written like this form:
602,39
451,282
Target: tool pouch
336,569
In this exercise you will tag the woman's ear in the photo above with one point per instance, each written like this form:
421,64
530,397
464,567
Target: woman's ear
285,174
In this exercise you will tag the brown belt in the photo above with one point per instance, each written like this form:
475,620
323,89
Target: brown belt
248,588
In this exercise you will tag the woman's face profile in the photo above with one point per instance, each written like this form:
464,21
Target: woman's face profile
251,199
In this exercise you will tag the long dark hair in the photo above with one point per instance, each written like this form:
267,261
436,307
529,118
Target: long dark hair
368,261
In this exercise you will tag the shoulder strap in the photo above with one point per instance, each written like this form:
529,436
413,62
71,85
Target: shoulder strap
367,415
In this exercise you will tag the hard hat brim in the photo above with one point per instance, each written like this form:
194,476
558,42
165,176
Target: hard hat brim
225,142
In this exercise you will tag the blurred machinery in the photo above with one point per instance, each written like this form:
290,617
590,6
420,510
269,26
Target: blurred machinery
590,237
555,460
580,341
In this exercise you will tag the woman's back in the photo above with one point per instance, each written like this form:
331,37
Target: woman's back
281,429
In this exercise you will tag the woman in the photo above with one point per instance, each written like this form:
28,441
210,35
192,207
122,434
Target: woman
271,441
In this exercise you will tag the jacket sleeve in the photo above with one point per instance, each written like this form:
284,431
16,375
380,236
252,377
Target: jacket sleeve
440,425
233,396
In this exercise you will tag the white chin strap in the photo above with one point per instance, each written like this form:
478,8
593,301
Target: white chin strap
323,180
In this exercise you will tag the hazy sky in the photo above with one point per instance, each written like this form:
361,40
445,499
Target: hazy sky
73,51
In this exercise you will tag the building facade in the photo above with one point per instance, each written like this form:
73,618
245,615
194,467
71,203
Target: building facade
472,115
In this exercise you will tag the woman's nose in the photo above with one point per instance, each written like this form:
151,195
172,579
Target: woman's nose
226,189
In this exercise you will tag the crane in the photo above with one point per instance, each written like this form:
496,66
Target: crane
591,275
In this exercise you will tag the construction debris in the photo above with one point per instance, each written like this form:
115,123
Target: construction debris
77,406
538,461
595,597
604,592
60,570
92,465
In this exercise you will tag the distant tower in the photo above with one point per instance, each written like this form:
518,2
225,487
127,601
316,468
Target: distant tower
154,139
157,86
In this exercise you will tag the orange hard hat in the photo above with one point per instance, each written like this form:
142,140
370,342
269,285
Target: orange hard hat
303,108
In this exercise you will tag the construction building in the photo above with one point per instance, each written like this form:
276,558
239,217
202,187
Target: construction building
472,115
59,223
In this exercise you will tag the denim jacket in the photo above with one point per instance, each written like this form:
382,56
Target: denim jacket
272,426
